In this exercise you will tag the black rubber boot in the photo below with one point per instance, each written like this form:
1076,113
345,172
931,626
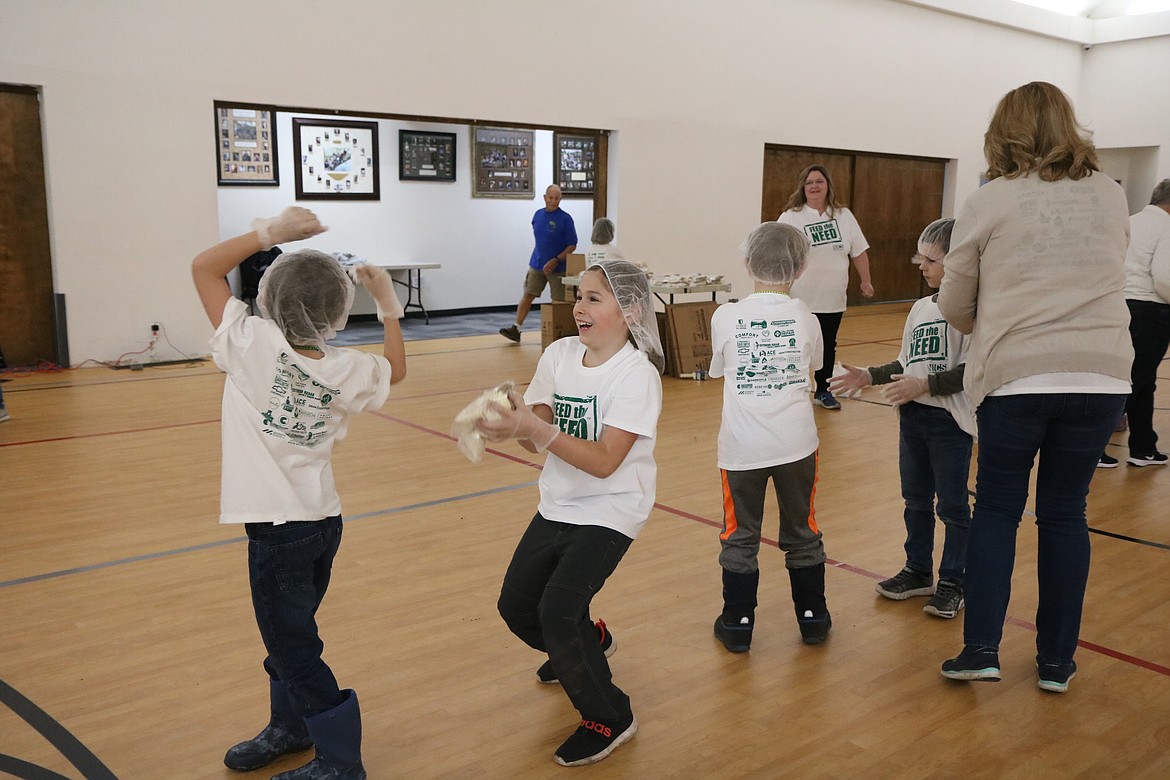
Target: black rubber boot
734,626
808,596
285,733
337,734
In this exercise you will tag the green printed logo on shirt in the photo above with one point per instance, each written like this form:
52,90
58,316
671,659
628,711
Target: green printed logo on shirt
928,342
820,233
576,416
298,406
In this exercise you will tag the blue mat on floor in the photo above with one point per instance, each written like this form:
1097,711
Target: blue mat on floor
440,327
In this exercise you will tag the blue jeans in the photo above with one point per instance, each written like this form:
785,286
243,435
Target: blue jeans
1069,431
289,567
934,458
554,574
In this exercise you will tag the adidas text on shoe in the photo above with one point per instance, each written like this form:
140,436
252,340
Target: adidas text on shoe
735,636
974,663
1055,677
946,601
1106,462
547,675
1151,459
814,629
594,740
905,584
825,400
512,333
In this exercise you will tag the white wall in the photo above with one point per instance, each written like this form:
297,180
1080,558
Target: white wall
692,89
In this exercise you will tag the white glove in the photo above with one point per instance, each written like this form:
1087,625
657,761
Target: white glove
469,439
905,388
848,380
293,224
381,288
516,421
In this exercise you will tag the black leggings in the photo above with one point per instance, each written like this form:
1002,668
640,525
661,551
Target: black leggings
830,322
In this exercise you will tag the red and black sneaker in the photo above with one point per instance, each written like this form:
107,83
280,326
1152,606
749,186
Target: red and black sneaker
545,673
594,740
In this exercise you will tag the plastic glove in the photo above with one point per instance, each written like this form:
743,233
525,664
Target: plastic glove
381,288
293,224
848,382
517,421
468,438
905,388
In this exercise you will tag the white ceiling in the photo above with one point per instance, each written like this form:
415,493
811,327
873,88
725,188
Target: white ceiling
1086,22
1100,9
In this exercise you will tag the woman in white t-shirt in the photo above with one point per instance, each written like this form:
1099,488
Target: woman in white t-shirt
836,238
603,247
595,400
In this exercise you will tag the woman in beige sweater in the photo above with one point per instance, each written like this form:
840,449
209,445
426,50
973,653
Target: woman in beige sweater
1035,274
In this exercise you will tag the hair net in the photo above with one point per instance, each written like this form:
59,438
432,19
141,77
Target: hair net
938,235
629,285
603,231
307,294
776,253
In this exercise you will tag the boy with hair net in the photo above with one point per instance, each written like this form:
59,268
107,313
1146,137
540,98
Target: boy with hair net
287,400
595,400
765,347
935,430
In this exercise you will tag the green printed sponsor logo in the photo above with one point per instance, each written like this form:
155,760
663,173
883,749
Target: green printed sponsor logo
825,232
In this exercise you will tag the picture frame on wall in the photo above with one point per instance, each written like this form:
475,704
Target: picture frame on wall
575,163
502,161
335,159
426,156
245,145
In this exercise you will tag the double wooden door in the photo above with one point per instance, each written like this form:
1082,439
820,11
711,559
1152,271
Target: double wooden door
893,198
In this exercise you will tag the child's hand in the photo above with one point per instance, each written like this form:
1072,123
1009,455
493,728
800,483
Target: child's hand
905,388
293,224
851,381
381,288
517,422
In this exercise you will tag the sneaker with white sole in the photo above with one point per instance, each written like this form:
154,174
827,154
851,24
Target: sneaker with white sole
1055,677
905,584
1106,462
594,740
825,400
547,675
1152,459
946,601
974,663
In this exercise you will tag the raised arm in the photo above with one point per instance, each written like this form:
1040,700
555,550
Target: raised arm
381,288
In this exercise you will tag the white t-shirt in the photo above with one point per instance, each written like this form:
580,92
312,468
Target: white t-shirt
625,392
930,346
825,281
595,253
282,413
765,347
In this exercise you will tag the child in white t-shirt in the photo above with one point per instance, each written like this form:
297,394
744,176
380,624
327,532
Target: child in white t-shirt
287,400
935,430
764,347
595,401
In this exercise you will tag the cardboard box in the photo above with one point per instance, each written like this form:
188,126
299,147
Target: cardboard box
664,337
574,266
688,330
556,322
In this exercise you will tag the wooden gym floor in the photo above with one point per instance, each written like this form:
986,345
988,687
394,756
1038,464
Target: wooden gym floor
128,647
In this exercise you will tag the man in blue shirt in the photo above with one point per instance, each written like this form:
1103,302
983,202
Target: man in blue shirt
556,238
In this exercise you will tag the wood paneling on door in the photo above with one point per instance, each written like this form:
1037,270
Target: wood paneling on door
27,333
782,169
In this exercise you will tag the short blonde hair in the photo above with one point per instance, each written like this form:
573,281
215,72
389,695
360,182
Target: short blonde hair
1034,130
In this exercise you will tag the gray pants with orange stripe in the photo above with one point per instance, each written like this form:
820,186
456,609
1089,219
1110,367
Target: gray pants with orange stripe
743,515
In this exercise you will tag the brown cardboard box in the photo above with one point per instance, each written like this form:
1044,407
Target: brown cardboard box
688,330
556,321
664,337
574,266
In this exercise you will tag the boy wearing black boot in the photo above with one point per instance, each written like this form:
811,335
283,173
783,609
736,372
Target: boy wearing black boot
766,347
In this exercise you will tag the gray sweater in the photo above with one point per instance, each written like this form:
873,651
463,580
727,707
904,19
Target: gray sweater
1035,274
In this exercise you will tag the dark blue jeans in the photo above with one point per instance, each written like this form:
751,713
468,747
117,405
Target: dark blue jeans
289,567
554,574
830,324
934,458
1069,431
1149,327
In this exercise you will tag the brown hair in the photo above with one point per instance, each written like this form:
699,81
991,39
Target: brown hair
797,200
1034,130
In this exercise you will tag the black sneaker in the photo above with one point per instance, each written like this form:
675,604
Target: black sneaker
737,636
512,332
1055,677
946,601
825,400
594,740
1106,462
1152,459
974,663
905,584
814,629
267,746
545,673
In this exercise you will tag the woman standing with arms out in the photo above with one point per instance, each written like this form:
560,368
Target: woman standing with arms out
836,238
1035,274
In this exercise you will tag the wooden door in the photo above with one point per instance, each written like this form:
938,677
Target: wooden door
782,168
27,330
